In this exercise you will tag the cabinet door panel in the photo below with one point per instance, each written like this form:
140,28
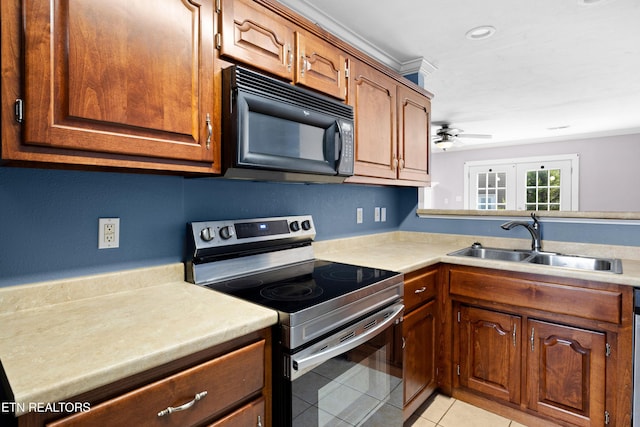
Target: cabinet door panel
256,36
320,66
120,77
419,332
413,135
374,101
566,370
490,351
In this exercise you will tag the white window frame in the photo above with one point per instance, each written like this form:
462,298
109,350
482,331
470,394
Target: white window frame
471,191
520,165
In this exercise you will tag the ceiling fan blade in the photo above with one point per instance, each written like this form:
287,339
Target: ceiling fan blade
474,135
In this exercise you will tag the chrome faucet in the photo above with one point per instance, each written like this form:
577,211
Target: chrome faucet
534,229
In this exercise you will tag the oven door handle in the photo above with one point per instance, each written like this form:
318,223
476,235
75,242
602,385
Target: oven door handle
360,333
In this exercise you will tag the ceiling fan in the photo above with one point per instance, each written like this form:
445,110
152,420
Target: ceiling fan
446,136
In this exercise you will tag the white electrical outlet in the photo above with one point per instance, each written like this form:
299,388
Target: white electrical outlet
359,216
108,233
376,214
383,215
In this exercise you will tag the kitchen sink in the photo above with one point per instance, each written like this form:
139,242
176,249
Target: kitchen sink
612,265
578,262
493,253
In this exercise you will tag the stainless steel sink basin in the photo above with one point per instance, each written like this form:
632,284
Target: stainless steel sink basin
612,265
493,253
578,262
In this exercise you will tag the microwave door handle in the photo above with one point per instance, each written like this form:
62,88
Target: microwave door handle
305,363
340,143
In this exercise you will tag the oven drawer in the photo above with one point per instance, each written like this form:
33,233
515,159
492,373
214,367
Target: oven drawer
218,383
419,288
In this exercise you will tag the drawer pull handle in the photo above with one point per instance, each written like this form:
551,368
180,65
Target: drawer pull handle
421,290
187,405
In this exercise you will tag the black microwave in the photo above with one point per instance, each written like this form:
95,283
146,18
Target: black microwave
272,130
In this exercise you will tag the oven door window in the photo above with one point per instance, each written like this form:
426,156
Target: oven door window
362,387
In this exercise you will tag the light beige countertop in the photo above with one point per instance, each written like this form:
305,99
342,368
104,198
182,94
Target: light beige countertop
408,251
62,338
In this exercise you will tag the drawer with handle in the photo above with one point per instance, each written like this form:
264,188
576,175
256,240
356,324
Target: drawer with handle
419,288
183,399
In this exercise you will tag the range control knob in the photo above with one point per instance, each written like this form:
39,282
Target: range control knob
207,234
227,232
294,226
306,224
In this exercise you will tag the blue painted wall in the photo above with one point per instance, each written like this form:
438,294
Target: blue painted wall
49,218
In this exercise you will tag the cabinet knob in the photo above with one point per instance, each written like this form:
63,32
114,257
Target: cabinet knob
421,290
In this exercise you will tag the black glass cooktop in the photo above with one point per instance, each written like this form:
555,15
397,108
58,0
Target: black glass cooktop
300,286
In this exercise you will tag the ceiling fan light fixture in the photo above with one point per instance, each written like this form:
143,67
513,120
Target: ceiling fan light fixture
480,33
444,144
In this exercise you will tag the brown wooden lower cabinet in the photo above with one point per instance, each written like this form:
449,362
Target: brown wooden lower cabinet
522,347
226,386
419,334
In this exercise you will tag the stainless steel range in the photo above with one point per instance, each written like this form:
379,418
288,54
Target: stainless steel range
337,357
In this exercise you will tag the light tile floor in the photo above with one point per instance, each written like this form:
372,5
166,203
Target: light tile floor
444,411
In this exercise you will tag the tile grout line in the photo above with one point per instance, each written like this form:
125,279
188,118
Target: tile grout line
445,413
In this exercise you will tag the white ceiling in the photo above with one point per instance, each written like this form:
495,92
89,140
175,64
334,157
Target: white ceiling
550,64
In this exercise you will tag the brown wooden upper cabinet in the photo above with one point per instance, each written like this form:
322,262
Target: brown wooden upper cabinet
125,82
392,126
414,124
254,35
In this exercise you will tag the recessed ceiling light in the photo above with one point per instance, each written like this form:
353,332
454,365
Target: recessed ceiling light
480,33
